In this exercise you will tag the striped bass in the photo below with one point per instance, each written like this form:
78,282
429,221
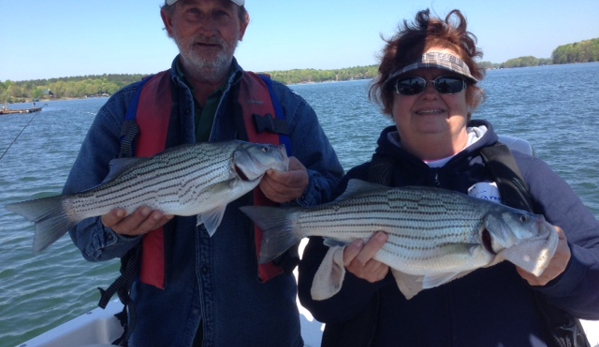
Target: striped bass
434,235
198,179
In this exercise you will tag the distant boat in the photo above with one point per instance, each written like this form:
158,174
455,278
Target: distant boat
7,110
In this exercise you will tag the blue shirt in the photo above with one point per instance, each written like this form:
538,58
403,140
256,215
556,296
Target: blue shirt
212,280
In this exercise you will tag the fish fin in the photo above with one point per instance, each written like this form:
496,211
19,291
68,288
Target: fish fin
211,219
409,285
333,243
120,165
50,218
356,187
278,230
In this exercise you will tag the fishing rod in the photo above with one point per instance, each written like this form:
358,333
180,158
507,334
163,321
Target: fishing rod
15,140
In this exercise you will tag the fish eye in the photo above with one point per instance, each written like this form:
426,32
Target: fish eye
523,218
265,149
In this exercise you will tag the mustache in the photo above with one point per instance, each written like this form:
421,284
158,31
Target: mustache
213,40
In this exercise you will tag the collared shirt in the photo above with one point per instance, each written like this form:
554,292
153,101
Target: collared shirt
204,115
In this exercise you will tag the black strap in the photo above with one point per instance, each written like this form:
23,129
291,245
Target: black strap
271,124
130,262
380,169
563,329
129,131
500,162
122,287
129,270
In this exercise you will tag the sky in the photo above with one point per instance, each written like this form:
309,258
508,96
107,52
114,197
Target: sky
41,39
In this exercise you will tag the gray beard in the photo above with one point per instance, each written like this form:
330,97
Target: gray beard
212,70
209,71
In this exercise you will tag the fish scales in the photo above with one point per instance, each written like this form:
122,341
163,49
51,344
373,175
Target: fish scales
176,174
414,235
433,233
406,244
129,196
403,234
360,213
199,179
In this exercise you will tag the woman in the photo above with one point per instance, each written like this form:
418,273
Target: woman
428,84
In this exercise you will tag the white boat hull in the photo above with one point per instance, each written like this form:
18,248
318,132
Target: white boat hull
100,328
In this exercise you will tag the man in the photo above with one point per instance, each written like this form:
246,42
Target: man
211,291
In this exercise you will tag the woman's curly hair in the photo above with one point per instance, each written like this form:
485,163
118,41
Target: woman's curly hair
413,39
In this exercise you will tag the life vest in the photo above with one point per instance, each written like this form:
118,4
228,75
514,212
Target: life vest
263,120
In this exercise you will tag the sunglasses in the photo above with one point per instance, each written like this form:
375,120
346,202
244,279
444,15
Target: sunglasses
442,84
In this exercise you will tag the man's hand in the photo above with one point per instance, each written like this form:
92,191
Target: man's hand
285,186
140,222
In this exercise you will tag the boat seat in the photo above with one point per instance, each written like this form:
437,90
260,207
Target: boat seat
517,144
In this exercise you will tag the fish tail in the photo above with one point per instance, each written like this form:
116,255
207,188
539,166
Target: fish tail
50,218
278,232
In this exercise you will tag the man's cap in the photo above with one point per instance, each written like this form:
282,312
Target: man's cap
438,60
238,2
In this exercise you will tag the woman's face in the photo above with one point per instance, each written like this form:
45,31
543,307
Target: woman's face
431,125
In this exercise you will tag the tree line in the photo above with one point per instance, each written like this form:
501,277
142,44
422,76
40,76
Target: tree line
108,84
65,87
580,52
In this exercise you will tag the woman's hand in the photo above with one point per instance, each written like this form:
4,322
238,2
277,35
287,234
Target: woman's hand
358,258
557,264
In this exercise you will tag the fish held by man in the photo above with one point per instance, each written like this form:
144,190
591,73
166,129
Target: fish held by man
197,179
434,235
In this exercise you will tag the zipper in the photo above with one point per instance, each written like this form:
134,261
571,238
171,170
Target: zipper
436,181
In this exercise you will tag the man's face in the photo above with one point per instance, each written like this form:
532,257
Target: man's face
207,33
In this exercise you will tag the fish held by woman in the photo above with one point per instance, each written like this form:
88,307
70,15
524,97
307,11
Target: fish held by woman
434,235
198,179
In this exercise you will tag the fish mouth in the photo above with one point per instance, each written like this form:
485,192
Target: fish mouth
244,177
241,174
251,164
487,241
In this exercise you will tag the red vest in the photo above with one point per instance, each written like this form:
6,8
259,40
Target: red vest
153,118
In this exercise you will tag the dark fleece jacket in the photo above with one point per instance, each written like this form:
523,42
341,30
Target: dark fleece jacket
490,307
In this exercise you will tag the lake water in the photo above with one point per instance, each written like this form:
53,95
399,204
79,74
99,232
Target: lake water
554,107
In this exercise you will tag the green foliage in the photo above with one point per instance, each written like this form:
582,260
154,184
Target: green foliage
487,65
316,76
91,86
525,61
580,52
102,85
66,87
